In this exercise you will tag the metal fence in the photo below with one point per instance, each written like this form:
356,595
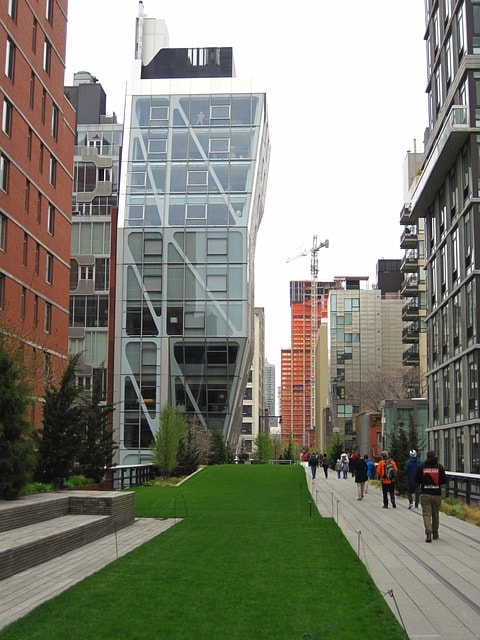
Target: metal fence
464,487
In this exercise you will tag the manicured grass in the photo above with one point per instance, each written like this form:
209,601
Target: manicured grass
252,559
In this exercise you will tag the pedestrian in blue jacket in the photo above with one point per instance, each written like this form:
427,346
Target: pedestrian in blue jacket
413,488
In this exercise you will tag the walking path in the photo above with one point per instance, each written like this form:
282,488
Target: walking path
433,589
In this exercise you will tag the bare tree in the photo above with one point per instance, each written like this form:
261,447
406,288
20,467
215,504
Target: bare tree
394,384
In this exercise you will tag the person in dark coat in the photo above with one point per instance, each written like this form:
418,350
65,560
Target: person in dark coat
413,488
430,476
325,465
313,464
361,475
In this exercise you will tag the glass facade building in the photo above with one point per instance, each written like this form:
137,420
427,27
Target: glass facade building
193,178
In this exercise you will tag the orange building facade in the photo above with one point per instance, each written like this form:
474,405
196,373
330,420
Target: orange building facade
297,378
36,159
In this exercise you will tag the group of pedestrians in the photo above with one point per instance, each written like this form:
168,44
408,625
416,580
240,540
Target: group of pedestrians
424,487
315,460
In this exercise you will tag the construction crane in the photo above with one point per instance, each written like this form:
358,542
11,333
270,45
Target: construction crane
315,248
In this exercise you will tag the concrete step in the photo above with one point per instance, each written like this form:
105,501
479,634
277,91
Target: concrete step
36,529
28,546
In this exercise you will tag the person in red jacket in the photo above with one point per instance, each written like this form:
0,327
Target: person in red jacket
388,484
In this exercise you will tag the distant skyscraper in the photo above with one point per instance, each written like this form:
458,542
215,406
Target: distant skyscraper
269,387
296,362
193,179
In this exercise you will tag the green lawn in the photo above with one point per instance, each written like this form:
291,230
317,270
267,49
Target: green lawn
252,559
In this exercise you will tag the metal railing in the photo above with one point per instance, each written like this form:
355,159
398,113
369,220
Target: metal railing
125,476
463,486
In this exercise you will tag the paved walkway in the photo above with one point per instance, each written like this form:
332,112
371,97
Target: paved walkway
24,591
433,589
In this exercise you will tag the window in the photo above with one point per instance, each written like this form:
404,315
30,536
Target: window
23,303
34,35
461,35
7,117
54,123
48,317
51,219
25,249
219,145
37,259
2,291
196,211
49,268
457,374
35,311
29,143
47,56
49,10
52,171
472,386
4,172
159,113
32,90
3,232
10,59
217,282
44,104
220,112
197,178
27,196
217,246
40,157
39,207
157,147
12,9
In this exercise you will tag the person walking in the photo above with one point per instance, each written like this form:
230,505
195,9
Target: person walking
313,464
338,468
370,471
344,463
325,465
431,475
386,471
361,471
413,489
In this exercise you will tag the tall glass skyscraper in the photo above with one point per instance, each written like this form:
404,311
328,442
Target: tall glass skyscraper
192,190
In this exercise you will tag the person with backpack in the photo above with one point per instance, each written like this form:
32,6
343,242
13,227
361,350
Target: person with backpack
325,465
413,488
387,470
430,476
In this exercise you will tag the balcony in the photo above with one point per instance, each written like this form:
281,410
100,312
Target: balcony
409,286
409,238
406,216
410,334
411,356
410,311
411,261
452,137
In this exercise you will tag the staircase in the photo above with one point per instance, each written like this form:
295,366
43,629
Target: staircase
38,528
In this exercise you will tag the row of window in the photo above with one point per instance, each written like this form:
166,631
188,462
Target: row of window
5,171
25,296
12,10
446,391
443,61
49,259
450,444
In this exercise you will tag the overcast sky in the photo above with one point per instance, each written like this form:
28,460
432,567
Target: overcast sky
345,84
